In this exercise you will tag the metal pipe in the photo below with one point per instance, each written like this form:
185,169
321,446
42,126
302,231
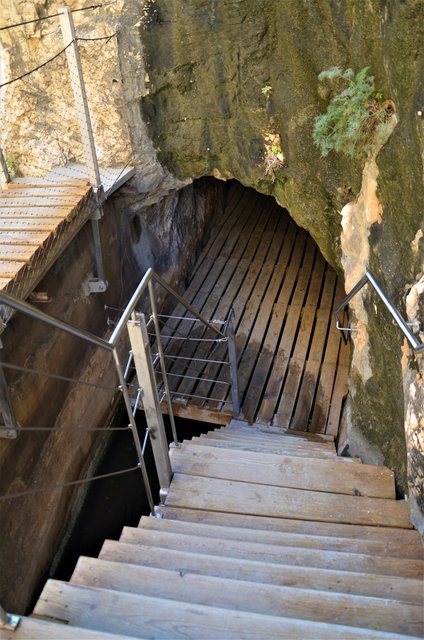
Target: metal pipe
188,306
232,357
8,621
162,362
368,277
32,312
134,430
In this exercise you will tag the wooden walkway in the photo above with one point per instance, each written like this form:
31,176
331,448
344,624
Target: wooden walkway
40,216
292,362
251,544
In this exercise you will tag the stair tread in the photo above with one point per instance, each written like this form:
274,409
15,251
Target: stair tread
243,497
284,441
284,471
108,610
301,435
330,543
32,628
387,615
244,446
310,527
332,580
280,554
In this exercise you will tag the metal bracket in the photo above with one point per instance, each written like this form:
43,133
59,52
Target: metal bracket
8,621
8,432
94,285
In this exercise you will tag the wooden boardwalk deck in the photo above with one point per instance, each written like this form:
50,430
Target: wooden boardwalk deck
40,216
292,362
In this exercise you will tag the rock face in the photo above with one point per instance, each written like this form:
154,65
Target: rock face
207,87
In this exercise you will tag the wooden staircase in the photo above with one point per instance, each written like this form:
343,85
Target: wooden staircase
262,535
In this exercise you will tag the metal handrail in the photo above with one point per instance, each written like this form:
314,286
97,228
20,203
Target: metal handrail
129,317
369,278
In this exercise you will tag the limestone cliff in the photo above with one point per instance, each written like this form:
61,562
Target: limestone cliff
190,76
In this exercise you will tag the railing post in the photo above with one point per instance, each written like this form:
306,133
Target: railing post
8,621
80,96
97,284
9,428
232,356
4,171
132,425
162,362
140,347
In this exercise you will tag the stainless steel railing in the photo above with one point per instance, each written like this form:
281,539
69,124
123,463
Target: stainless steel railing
368,278
137,327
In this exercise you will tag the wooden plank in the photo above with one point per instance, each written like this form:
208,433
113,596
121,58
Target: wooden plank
340,390
216,280
330,543
289,332
34,202
247,302
24,238
42,191
278,441
328,372
25,183
361,532
30,224
193,412
32,212
244,446
286,471
221,297
297,371
136,615
289,539
278,554
9,269
16,253
241,497
236,426
34,628
387,615
401,589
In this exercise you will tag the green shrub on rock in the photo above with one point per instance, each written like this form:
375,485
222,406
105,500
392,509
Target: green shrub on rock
356,118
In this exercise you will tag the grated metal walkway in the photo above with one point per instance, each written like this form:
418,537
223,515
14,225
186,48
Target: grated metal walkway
292,362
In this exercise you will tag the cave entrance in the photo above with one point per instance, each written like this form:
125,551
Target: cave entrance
292,361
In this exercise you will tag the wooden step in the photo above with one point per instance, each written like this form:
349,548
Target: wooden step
242,446
277,432
36,629
371,613
351,545
330,580
265,523
279,554
196,492
283,441
284,471
119,612
265,428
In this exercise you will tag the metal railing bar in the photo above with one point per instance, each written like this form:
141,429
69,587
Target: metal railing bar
188,306
133,427
163,315
36,314
38,372
200,379
224,339
136,401
55,487
192,395
128,367
145,440
162,361
368,277
71,429
197,359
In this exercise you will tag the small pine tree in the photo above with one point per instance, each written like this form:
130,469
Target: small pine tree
355,118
